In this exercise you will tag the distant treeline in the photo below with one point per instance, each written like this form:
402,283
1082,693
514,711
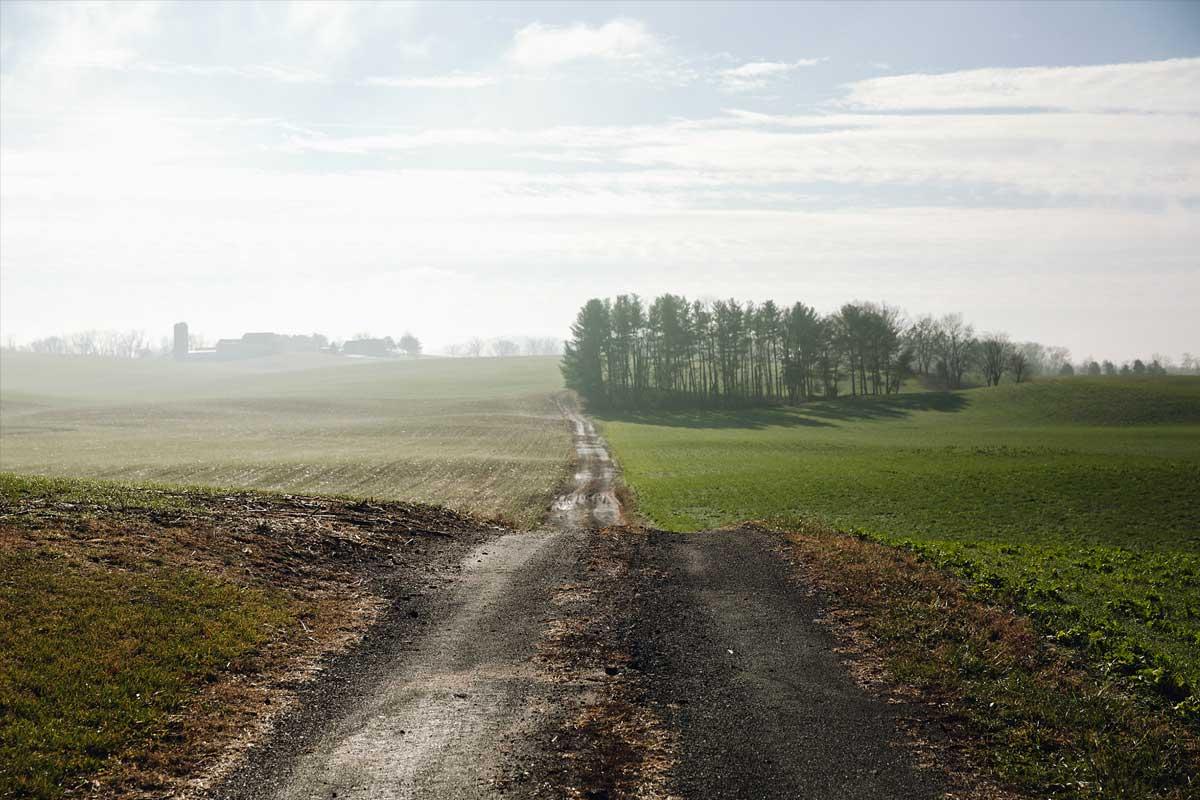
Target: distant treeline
506,348
107,344
676,352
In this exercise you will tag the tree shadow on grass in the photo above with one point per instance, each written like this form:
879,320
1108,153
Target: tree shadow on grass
816,414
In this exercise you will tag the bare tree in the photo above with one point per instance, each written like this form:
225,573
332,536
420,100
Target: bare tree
1018,365
1056,357
922,339
474,347
994,352
50,345
84,343
542,346
504,348
956,349
125,344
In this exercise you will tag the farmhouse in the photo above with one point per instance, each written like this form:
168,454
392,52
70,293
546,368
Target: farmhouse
370,347
250,345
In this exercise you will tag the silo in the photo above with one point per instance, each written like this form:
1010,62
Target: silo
181,341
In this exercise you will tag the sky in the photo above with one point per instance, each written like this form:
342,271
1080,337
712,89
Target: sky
461,170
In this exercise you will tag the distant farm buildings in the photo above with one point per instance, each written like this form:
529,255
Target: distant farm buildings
370,347
262,343
255,345
250,345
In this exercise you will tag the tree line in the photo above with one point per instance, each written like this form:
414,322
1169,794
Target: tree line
107,344
625,352
1156,366
503,347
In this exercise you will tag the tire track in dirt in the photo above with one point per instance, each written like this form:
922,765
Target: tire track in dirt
593,500
597,661
731,652
450,709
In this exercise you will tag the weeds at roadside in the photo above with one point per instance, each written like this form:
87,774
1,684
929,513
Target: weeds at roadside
1035,718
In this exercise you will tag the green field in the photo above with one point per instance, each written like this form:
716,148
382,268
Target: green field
1077,499
478,435
98,659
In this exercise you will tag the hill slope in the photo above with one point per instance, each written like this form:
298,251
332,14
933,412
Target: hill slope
478,435
1075,500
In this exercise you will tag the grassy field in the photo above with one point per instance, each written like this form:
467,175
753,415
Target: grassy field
478,435
144,629
97,660
1074,500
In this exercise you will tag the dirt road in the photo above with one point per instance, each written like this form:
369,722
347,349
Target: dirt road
728,645
574,662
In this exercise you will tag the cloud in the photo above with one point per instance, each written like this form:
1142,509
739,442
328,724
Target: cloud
94,34
234,234
759,74
539,46
454,80
328,24
1073,155
270,72
1156,86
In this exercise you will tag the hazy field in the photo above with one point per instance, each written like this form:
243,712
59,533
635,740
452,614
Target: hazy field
1077,499
482,435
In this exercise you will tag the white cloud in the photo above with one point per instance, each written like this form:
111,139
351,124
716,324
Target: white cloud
271,72
361,249
759,74
1094,156
540,46
454,80
329,24
1156,86
94,34
417,48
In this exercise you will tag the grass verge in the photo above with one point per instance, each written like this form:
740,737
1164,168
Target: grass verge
1028,713
99,662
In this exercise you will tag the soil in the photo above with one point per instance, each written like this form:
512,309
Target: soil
591,659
